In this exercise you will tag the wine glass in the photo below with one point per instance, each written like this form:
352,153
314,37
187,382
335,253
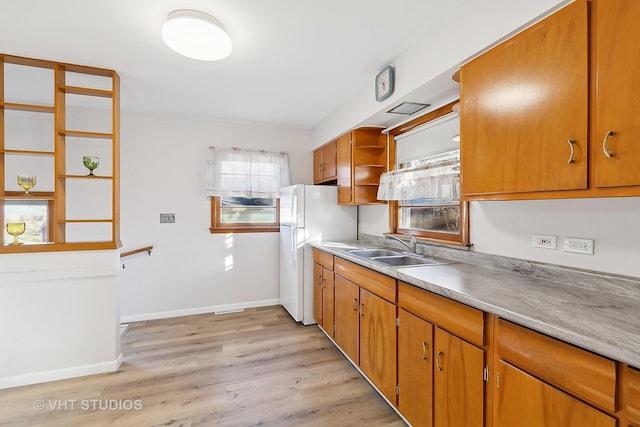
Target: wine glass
15,229
91,162
27,182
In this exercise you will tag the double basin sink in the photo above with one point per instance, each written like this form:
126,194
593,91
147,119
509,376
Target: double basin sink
394,258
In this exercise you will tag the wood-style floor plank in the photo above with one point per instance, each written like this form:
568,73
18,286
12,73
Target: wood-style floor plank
255,368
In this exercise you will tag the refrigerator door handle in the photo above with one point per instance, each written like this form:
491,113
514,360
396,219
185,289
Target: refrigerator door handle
294,228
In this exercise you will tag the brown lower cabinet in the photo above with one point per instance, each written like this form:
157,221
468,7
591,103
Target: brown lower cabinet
378,342
415,369
440,375
347,315
633,397
366,323
366,332
458,384
323,292
526,401
446,364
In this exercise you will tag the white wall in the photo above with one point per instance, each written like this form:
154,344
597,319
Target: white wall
506,228
373,219
163,161
476,26
59,316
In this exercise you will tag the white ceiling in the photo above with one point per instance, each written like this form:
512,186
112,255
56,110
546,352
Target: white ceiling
293,61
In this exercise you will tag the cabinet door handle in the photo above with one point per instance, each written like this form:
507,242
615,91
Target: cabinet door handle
361,310
438,357
604,144
571,142
355,304
424,351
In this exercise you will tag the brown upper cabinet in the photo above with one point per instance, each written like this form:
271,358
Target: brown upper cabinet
324,163
522,103
361,158
547,114
617,123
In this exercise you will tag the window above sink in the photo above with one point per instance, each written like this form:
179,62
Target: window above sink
428,148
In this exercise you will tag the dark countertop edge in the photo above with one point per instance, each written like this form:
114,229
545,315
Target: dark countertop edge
598,346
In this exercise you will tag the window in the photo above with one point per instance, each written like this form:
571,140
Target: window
244,214
439,215
35,215
424,188
244,187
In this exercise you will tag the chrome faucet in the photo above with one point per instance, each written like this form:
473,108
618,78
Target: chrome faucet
412,241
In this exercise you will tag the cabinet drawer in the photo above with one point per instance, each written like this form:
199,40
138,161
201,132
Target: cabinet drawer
633,395
577,371
323,258
379,284
459,319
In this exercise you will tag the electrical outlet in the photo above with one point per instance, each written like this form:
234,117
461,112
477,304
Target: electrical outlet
167,218
578,246
544,241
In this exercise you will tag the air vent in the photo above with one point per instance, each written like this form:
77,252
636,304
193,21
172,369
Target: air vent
408,108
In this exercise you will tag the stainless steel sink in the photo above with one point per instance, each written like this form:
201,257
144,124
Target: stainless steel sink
371,253
406,260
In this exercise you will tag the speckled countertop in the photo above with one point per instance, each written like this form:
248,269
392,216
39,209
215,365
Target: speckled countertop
603,322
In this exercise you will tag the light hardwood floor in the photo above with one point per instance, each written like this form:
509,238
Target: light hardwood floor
253,368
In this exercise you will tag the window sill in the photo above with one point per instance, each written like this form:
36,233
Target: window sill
244,229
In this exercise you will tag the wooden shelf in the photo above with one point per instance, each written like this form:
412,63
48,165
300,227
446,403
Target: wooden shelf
28,152
65,237
84,177
83,221
55,247
28,107
19,195
370,147
369,166
85,134
75,90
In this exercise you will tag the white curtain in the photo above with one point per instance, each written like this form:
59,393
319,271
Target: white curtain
433,181
234,172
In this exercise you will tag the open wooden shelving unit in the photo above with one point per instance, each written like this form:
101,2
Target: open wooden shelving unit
59,202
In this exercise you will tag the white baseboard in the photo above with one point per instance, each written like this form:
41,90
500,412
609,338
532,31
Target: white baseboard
61,374
198,310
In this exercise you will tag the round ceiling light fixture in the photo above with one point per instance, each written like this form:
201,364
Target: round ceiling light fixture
196,35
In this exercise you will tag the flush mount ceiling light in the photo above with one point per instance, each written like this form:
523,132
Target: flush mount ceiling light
408,108
196,35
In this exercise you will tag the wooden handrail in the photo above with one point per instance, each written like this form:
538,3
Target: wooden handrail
146,249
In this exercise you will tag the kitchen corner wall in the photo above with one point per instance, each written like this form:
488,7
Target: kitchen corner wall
163,169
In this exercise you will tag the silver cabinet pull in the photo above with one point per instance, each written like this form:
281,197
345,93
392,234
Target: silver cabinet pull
604,144
361,310
355,304
424,351
571,142
438,357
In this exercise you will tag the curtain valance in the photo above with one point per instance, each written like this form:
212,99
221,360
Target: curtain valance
440,180
234,172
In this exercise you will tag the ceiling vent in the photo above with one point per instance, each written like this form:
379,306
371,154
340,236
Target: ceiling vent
408,108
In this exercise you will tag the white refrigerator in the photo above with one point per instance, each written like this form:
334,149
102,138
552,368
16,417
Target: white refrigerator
308,213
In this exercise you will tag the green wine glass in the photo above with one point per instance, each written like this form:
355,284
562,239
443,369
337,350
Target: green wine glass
91,163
